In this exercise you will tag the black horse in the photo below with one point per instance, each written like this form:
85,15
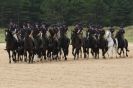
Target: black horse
53,44
29,47
76,44
11,45
95,46
103,43
122,43
91,41
20,50
44,46
64,44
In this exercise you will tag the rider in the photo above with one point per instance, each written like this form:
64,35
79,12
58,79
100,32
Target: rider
112,30
43,28
122,30
78,29
23,31
11,26
101,30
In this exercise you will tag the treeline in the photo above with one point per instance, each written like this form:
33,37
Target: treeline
104,12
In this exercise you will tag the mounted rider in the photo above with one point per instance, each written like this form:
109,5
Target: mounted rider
121,31
78,30
112,30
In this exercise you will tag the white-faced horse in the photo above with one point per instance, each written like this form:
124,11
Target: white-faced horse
112,44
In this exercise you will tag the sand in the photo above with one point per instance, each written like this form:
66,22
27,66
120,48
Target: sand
82,73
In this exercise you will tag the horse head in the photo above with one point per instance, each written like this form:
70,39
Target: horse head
8,35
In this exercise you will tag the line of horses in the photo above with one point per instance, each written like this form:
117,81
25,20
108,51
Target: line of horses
52,44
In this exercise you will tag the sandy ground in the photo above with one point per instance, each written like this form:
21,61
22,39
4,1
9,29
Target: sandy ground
102,73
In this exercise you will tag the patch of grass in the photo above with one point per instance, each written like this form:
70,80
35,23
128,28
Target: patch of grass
129,33
2,35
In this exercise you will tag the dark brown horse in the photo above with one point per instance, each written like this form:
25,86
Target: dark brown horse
64,43
122,43
29,47
11,45
44,44
76,44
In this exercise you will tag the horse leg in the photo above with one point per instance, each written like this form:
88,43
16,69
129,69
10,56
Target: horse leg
9,54
115,48
126,53
19,57
25,56
73,50
103,53
120,52
65,57
78,50
123,52
65,51
60,54
74,53
84,54
80,53
84,51
92,52
97,53
95,56
14,56
112,52
108,52
30,56
49,55
44,54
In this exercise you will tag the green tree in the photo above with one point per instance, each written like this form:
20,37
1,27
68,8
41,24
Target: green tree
120,12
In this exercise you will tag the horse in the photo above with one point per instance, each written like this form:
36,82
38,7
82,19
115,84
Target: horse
94,44
112,44
44,47
53,44
103,43
122,44
91,42
76,44
11,45
20,50
37,41
29,47
86,46
64,43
